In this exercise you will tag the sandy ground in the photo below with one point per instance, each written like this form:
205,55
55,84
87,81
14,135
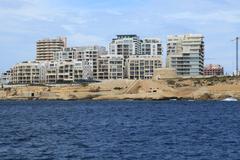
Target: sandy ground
208,88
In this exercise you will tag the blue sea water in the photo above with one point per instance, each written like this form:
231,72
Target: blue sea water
119,130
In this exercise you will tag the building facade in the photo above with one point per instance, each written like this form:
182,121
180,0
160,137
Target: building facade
28,72
143,66
125,45
68,71
5,77
151,46
185,53
47,47
110,67
213,70
88,55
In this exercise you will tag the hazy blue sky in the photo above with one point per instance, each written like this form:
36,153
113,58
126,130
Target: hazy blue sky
87,22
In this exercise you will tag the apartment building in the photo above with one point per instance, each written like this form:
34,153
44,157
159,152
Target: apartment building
87,54
28,72
5,77
213,70
143,66
185,53
125,45
151,46
45,48
68,71
66,54
110,67
52,72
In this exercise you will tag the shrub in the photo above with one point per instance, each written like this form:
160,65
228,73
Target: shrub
117,88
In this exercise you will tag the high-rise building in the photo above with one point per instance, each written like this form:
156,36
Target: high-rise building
185,53
151,46
110,67
125,45
143,66
47,47
213,70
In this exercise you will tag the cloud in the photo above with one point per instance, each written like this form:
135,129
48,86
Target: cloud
26,10
83,39
232,16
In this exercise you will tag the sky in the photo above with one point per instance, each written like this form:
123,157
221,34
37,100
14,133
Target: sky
96,22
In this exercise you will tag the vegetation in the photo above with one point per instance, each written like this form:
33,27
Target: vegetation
117,88
171,82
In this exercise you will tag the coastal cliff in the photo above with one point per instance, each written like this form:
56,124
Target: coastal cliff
215,88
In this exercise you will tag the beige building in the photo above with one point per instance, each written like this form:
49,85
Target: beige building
142,67
151,46
68,71
29,72
110,67
47,47
88,55
185,53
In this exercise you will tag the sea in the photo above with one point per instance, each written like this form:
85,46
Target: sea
119,130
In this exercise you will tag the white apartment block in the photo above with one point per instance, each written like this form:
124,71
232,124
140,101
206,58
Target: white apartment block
143,66
185,53
125,45
5,77
110,67
68,71
47,47
29,72
88,55
151,46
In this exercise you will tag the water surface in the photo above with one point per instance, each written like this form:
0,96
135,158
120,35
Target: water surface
119,130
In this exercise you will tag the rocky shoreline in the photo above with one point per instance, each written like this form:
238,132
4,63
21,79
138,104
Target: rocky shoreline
215,88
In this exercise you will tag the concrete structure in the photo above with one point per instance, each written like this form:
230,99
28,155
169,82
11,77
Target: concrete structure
88,55
164,73
125,45
110,67
47,47
28,72
151,46
5,77
52,72
68,71
213,70
143,66
185,53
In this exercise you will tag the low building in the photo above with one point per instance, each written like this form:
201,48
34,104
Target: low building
5,77
28,72
213,70
142,67
110,67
